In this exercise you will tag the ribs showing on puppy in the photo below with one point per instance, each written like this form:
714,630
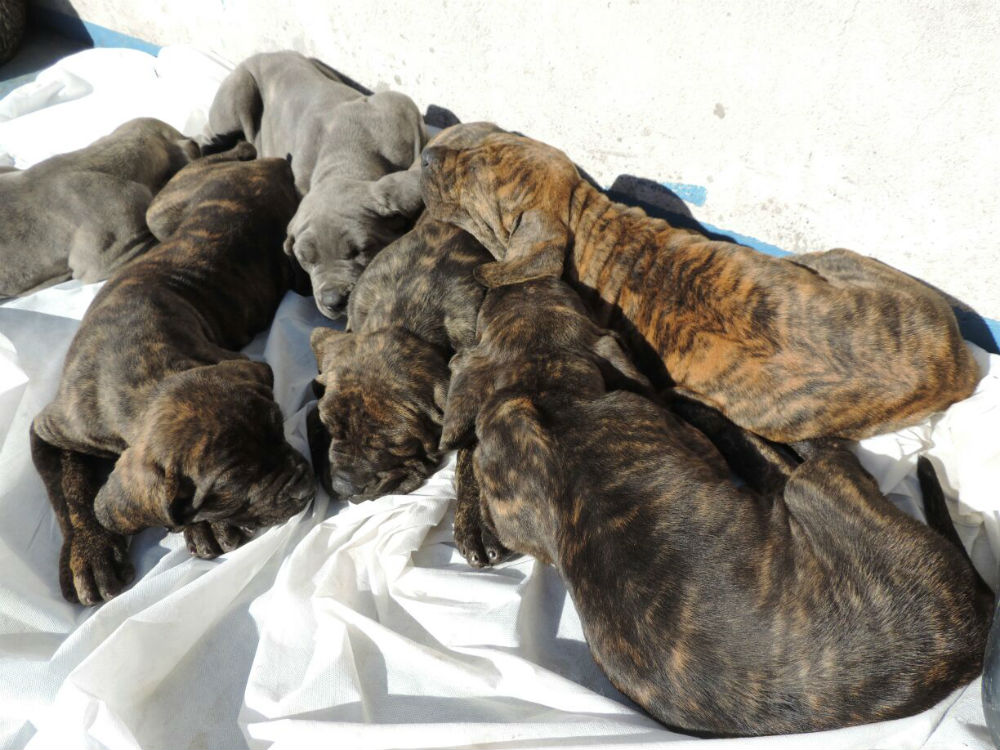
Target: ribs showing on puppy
349,150
802,601
822,344
159,420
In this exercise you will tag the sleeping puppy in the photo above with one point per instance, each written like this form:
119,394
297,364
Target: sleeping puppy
805,601
82,214
348,152
817,345
159,420
384,382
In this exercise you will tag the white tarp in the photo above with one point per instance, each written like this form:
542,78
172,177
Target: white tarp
348,626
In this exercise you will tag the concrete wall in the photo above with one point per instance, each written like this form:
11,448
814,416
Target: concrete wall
805,124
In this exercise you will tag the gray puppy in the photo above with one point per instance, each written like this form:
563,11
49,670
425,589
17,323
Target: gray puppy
83,214
349,152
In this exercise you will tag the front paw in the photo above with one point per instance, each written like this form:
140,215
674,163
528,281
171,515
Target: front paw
210,539
94,566
476,541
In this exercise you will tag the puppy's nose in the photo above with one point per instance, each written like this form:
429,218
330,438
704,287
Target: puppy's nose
431,157
330,300
341,483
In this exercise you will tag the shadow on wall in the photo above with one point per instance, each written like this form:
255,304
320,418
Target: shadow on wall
60,16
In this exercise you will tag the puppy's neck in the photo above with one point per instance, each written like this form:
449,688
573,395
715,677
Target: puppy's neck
612,243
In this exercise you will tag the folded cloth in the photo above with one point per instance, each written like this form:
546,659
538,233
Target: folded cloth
349,625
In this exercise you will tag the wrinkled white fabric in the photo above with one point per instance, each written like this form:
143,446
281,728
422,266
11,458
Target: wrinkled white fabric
349,625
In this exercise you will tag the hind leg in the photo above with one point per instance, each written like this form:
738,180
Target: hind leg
847,268
93,562
474,533
235,112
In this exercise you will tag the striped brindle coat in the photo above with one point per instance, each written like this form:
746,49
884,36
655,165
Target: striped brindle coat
800,602
822,344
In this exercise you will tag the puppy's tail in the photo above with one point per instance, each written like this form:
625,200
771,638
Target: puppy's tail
335,75
938,517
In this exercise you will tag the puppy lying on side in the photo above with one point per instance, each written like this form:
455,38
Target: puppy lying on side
804,602
82,214
348,151
823,344
159,420
384,383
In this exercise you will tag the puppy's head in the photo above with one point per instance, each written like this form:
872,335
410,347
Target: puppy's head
383,394
211,447
534,339
342,224
510,192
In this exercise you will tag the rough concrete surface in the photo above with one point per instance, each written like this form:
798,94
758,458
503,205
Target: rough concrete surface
807,124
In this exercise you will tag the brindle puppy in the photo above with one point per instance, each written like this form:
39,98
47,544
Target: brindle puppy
154,379
826,344
804,602
385,381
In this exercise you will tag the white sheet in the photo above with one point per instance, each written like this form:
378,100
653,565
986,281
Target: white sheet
348,626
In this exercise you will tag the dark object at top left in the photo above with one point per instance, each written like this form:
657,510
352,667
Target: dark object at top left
13,18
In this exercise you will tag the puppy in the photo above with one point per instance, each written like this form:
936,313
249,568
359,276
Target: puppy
348,151
825,344
384,382
159,420
82,214
803,602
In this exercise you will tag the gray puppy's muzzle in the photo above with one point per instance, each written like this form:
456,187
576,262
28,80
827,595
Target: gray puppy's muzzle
332,283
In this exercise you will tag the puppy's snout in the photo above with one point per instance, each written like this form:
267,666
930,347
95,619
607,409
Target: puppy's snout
301,488
330,299
342,483
431,157
331,303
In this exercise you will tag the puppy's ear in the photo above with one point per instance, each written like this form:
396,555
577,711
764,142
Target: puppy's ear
467,391
140,493
536,249
397,194
258,373
327,344
618,371
441,394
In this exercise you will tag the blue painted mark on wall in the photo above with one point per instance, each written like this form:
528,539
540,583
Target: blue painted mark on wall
764,247
696,195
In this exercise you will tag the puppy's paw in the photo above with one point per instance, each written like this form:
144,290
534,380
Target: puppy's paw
477,543
210,539
94,567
